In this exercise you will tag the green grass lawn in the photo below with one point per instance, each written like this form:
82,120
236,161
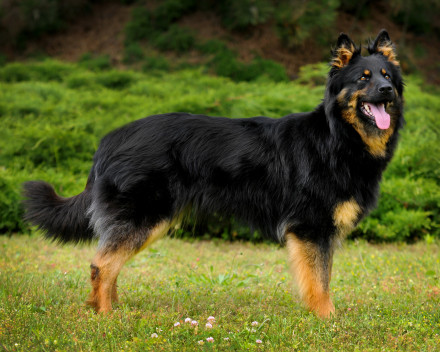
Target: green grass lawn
387,298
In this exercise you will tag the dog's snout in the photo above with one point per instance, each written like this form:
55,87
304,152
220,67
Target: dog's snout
385,89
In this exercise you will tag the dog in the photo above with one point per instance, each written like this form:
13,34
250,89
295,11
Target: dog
305,179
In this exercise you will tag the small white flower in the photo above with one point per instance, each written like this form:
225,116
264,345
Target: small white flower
210,339
253,330
259,341
159,330
226,338
201,342
194,323
254,323
208,326
176,324
211,319
154,335
188,320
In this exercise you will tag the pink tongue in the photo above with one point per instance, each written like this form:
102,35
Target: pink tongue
381,116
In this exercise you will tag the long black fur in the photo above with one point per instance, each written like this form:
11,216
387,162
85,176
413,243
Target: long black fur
277,175
61,219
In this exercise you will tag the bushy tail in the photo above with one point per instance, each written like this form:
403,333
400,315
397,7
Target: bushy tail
61,219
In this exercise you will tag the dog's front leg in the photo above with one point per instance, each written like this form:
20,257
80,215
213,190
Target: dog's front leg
311,266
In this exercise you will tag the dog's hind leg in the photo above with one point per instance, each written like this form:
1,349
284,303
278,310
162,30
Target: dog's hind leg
105,269
109,261
311,267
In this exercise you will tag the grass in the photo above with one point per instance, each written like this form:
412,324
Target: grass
387,298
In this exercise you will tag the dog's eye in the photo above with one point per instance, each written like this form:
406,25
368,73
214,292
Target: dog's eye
365,78
387,76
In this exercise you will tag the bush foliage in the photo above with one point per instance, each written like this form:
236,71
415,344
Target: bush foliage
53,115
159,29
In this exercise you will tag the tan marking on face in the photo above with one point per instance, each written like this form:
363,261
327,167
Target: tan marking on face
376,142
345,216
343,56
383,71
367,72
311,274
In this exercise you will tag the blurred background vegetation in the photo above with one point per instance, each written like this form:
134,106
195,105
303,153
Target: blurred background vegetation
72,70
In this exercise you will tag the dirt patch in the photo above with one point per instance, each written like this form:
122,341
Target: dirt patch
99,32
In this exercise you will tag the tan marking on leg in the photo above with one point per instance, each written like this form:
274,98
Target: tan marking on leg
105,270
345,216
95,279
115,298
156,233
312,274
107,265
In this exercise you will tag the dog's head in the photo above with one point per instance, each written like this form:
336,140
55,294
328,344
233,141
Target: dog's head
366,90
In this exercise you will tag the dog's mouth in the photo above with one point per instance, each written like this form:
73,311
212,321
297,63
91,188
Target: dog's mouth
377,114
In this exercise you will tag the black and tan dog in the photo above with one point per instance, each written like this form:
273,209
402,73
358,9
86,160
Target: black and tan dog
305,179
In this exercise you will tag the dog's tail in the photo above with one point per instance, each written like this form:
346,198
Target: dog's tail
61,219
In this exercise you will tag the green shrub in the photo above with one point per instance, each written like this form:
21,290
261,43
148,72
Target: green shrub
298,21
140,27
269,69
3,60
176,38
212,46
81,80
171,10
419,17
115,79
133,53
95,63
48,70
225,64
11,212
15,72
406,211
314,74
48,145
155,63
244,13
146,24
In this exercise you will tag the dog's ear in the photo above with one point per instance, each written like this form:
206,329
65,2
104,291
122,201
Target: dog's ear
383,45
345,50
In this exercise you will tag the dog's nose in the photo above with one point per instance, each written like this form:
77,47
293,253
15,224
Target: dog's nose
385,89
